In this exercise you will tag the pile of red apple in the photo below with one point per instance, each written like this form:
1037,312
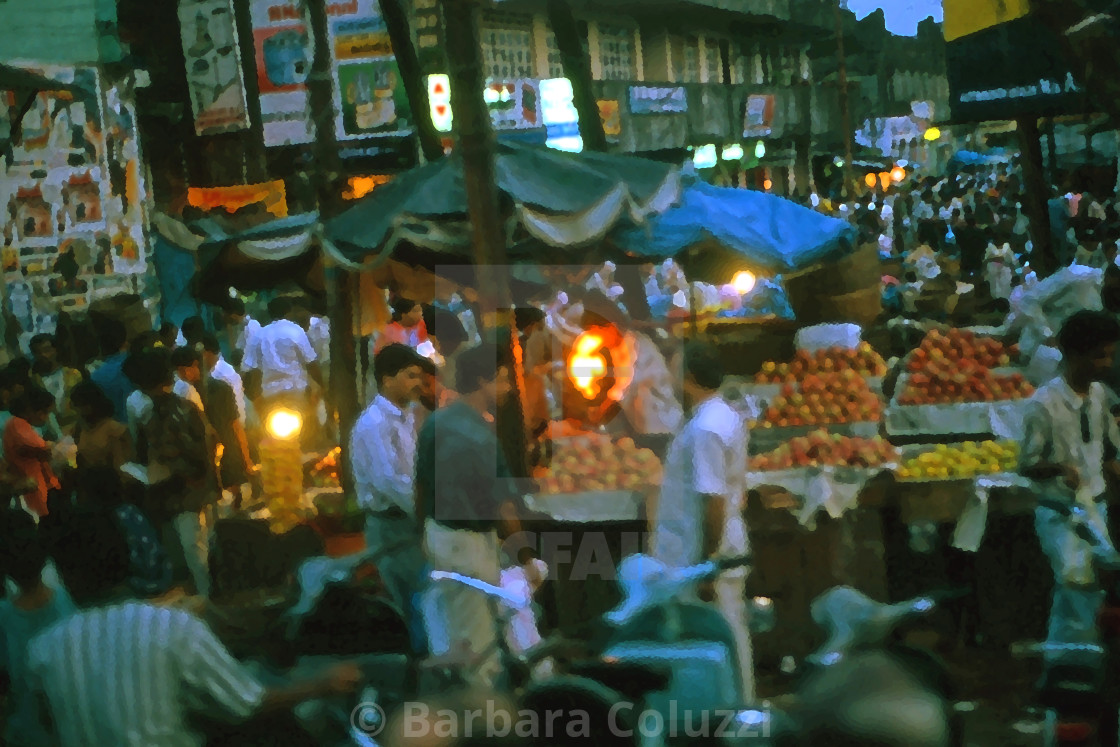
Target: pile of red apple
957,346
843,397
822,449
863,361
593,462
941,381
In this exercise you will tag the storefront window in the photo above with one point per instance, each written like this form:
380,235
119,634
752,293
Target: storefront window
507,46
616,52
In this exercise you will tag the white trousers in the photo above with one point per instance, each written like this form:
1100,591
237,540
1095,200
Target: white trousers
731,601
458,618
193,531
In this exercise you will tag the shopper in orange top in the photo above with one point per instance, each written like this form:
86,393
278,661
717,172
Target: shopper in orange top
27,454
407,327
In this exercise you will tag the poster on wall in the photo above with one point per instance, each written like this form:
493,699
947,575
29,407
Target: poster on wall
214,72
282,40
759,117
514,106
610,117
369,95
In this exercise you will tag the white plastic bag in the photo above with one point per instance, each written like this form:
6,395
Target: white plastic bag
823,336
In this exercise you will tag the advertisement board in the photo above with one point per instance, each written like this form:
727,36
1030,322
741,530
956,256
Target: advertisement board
282,40
214,73
965,17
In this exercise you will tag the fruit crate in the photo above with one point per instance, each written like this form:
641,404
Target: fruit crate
1002,418
764,439
766,393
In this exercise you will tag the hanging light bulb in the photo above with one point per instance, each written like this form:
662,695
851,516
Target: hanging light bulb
933,134
870,180
760,150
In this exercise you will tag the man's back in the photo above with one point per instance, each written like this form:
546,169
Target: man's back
281,352
129,675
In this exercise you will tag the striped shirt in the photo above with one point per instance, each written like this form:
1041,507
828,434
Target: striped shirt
129,676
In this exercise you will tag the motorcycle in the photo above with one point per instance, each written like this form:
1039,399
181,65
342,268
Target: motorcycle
857,626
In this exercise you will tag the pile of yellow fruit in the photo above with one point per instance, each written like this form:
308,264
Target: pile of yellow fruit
282,482
962,461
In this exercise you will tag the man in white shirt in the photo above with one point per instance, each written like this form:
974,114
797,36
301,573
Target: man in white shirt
699,515
383,460
188,373
1065,432
127,673
280,363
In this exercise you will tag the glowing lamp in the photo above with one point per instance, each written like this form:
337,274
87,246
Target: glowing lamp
586,366
743,282
870,180
885,179
760,150
284,424
767,185
898,174
933,134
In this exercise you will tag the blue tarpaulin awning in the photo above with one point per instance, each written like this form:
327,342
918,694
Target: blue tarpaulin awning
770,234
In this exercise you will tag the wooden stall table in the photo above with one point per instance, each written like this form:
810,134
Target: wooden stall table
794,563
583,537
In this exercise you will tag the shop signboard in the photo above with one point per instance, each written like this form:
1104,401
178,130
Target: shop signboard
271,195
1004,62
369,95
214,72
282,40
758,118
654,100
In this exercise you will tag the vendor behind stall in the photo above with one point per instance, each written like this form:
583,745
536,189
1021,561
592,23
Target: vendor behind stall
644,386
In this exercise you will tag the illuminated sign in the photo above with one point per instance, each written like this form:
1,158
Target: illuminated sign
439,96
560,116
705,157
650,100
358,187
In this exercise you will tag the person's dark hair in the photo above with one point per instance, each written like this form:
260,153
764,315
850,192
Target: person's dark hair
234,307
166,329
151,369
402,306
89,394
20,370
9,379
703,364
392,359
38,340
279,308
91,554
1086,332
113,335
193,329
525,317
210,344
24,554
183,358
447,328
35,399
478,365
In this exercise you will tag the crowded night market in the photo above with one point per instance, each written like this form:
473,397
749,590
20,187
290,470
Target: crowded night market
379,373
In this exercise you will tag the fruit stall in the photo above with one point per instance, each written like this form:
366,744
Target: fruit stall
842,473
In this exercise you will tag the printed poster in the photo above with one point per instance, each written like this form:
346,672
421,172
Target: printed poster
515,106
611,117
214,72
369,94
282,40
759,116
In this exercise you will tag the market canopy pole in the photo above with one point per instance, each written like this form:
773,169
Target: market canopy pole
477,147
408,62
577,69
1036,196
340,285
845,104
